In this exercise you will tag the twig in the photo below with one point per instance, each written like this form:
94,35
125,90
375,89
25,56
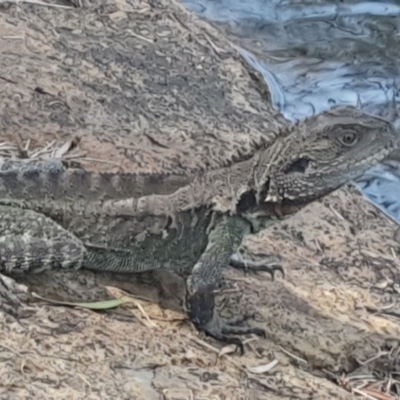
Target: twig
40,3
293,356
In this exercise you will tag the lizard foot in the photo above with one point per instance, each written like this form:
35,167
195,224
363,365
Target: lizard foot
265,265
200,307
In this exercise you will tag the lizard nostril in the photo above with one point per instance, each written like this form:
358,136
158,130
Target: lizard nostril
300,165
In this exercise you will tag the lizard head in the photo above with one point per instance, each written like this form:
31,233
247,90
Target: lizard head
322,153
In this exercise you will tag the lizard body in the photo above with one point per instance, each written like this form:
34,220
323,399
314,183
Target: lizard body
57,217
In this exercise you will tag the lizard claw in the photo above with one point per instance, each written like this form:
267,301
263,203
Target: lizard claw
272,269
219,330
237,261
228,340
200,308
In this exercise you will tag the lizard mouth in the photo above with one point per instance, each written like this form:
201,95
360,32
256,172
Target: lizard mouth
253,198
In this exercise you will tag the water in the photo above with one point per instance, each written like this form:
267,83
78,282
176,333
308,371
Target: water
316,54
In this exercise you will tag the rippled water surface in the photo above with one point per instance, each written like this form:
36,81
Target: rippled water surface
317,54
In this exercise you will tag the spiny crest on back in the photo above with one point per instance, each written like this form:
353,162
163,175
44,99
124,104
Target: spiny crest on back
33,179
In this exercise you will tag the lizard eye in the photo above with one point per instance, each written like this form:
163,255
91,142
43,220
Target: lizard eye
348,138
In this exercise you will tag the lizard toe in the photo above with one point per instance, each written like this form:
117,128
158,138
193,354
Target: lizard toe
200,308
263,265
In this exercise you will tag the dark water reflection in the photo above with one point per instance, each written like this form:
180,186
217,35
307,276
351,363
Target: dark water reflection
317,54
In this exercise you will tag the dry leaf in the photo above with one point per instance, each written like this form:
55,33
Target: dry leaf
98,305
230,349
261,369
66,147
152,309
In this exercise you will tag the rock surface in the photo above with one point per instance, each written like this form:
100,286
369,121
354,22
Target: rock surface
147,86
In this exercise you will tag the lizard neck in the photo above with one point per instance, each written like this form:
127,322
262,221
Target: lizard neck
249,180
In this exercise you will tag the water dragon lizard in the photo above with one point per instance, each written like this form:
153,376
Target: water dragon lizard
52,216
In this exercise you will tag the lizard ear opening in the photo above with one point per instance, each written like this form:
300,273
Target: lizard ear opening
247,201
300,166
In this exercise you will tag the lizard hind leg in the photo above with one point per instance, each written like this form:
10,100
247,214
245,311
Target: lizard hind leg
206,277
13,297
31,242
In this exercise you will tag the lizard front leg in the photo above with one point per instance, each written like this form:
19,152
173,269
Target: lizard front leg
206,276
